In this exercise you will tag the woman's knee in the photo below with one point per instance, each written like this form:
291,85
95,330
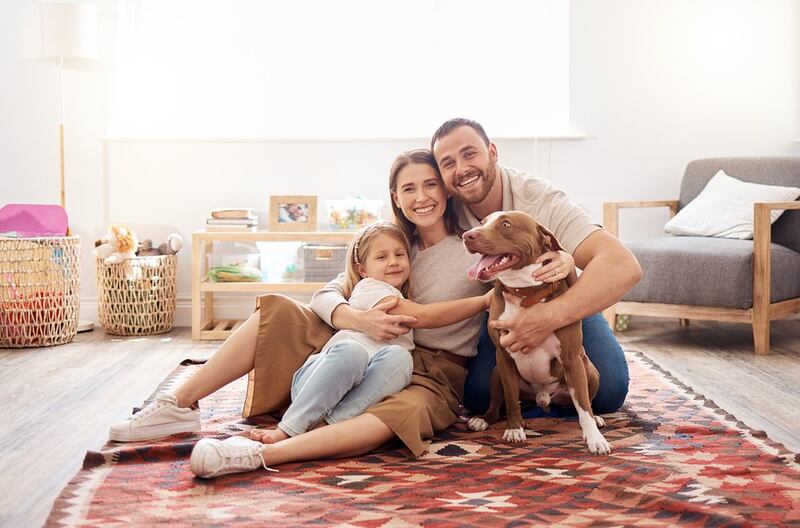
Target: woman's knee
276,307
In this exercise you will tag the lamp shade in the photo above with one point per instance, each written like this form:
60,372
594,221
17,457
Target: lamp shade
67,31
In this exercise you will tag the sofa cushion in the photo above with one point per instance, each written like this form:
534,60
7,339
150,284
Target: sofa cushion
705,271
724,208
784,171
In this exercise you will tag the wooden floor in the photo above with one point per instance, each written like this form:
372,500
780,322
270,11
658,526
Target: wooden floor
55,403
717,361
58,402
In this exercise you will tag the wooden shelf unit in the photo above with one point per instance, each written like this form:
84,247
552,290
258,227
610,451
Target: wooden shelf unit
204,325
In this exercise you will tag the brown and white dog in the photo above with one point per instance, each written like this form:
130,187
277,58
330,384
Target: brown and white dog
556,371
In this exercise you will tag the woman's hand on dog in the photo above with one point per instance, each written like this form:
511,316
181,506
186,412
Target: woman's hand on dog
560,266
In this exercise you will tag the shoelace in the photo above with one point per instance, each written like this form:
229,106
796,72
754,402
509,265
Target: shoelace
238,461
148,410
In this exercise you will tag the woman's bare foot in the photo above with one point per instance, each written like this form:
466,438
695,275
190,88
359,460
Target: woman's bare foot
268,436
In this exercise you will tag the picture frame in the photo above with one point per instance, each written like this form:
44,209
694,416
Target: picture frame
292,213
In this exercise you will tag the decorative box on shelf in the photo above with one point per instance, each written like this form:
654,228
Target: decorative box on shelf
352,213
204,323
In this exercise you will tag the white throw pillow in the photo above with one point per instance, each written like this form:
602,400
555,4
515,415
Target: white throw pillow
725,208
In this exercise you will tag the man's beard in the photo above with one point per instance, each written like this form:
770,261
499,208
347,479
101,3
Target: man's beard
486,179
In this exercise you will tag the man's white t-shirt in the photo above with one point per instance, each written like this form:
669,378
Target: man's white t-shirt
366,294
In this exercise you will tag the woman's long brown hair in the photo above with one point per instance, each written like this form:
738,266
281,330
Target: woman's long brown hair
425,157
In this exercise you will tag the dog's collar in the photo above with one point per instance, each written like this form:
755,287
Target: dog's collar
532,294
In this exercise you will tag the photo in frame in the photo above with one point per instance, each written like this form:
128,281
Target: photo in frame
292,213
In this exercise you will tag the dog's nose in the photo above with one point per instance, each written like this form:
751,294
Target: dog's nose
470,235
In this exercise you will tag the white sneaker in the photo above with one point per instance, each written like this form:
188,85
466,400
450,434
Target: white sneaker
159,419
237,454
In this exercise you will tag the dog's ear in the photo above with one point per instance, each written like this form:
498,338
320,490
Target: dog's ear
549,239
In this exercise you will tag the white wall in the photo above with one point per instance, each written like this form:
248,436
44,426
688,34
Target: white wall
654,85
658,83
30,112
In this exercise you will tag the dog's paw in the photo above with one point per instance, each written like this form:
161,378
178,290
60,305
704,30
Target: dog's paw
598,444
599,421
514,435
476,423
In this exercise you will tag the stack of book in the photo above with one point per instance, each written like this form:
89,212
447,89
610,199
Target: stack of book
232,219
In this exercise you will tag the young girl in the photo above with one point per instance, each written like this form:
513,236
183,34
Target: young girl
353,371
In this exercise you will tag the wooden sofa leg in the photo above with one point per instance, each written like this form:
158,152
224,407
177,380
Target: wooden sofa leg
761,333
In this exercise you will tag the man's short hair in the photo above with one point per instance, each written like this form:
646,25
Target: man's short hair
452,124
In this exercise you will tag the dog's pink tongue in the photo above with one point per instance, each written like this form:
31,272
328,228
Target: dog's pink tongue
472,272
484,262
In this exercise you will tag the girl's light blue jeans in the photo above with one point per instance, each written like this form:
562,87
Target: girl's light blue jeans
343,383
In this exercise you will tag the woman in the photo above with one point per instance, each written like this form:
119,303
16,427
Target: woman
273,343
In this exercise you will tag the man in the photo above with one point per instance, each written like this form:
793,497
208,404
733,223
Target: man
468,162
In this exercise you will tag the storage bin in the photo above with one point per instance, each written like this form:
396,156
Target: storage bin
321,262
234,259
39,291
279,261
137,296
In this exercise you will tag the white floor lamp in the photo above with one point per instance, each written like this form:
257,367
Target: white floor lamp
68,37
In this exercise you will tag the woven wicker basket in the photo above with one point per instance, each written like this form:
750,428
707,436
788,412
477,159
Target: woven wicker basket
39,291
137,296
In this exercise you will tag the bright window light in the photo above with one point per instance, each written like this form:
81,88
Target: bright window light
338,69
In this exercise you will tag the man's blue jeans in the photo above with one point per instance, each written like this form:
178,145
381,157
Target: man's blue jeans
603,350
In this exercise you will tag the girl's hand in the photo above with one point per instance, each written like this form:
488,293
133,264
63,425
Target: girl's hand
560,266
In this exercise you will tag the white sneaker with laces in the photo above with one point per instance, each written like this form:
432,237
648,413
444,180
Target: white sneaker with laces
237,454
161,418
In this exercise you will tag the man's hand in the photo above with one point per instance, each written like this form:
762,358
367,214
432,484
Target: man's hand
528,329
381,326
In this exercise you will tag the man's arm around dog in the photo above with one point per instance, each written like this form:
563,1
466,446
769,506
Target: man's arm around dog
609,271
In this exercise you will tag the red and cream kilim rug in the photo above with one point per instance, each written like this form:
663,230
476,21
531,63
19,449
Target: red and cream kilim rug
677,460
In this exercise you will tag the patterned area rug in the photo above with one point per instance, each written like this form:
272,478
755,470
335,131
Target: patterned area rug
677,460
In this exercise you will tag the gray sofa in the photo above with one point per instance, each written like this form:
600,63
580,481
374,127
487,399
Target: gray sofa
751,281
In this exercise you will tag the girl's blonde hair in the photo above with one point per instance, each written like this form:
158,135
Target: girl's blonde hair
359,249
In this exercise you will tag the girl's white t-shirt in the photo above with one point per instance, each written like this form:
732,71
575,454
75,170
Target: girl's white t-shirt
366,294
